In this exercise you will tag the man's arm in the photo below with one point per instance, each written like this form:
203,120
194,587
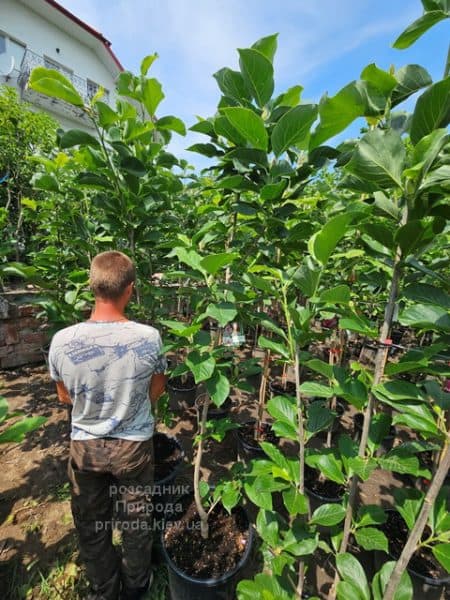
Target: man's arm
63,394
157,386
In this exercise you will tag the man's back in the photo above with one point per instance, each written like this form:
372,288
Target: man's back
106,368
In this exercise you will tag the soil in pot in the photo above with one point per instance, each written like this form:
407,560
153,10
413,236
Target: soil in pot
328,490
278,387
423,567
215,556
215,412
181,392
248,447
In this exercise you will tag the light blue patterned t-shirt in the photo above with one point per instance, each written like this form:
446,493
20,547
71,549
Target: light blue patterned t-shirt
106,368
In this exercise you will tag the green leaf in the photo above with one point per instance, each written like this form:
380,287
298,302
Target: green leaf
293,128
426,316
223,312
378,430
328,515
337,295
201,365
350,570
231,84
152,95
414,31
360,324
404,590
272,191
43,181
370,538
347,591
290,98
268,528
218,388
410,78
408,502
380,233
283,408
54,84
106,115
208,150
432,110
295,503
322,244
357,99
172,124
75,137
257,71
307,277
370,514
320,417
260,489
17,432
327,465
442,553
224,128
276,347
189,257
313,389
379,158
427,294
133,166
380,79
147,62
267,46
248,124
3,408
214,262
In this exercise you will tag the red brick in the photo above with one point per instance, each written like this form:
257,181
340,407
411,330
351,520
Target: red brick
19,359
37,338
28,310
11,333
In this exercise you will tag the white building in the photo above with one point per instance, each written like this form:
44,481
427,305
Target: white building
43,33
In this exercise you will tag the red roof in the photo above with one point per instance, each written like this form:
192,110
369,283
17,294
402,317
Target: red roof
88,28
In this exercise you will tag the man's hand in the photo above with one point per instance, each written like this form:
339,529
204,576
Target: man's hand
63,394
157,387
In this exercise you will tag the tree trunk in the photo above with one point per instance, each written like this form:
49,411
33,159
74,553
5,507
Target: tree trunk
417,531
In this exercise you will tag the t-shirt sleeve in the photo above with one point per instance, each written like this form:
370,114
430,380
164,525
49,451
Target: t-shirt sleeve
53,362
161,362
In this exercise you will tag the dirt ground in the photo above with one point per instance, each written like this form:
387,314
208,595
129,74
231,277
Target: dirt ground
38,556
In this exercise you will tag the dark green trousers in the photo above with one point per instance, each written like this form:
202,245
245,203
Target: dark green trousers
111,487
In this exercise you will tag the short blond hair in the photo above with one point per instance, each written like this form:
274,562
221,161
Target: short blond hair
111,272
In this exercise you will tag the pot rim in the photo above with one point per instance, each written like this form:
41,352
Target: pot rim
428,580
212,581
179,463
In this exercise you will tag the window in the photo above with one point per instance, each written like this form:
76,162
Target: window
52,64
92,89
11,53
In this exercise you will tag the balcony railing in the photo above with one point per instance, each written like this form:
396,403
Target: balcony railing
29,62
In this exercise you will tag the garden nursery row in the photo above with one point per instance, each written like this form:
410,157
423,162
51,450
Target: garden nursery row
302,293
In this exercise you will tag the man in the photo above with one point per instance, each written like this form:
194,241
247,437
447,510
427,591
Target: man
107,368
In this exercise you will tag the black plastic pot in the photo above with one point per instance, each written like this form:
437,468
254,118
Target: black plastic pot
250,450
277,389
316,499
166,489
181,396
184,587
216,412
425,588
166,472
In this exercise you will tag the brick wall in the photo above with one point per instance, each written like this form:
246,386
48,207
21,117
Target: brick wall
22,334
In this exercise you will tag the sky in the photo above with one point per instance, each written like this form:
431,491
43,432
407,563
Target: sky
322,45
